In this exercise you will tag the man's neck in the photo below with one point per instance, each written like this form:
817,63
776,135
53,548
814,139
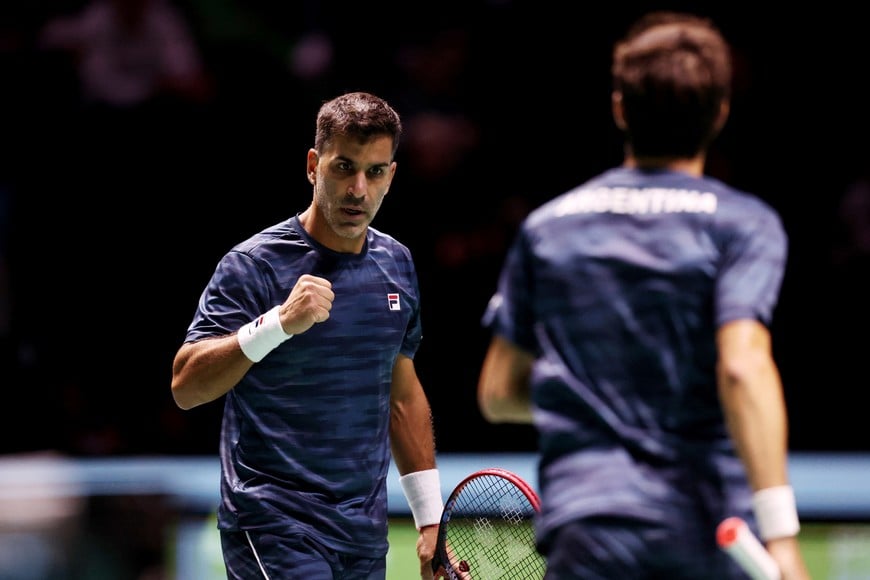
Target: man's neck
691,165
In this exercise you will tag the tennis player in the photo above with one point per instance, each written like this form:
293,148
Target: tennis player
308,330
631,327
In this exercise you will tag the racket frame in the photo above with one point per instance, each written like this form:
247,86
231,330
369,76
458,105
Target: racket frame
441,559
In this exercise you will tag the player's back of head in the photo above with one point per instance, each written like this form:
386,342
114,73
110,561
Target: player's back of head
673,72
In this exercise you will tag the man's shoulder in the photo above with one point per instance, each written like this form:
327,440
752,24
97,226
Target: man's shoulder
378,239
281,232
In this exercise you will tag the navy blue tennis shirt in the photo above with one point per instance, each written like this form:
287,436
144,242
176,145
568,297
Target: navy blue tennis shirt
307,428
618,287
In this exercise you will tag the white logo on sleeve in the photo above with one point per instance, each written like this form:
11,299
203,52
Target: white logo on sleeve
393,301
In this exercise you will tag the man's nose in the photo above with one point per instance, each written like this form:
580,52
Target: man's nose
359,186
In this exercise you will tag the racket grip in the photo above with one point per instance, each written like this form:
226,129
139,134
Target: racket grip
737,540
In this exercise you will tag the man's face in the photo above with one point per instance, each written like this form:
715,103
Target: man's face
350,181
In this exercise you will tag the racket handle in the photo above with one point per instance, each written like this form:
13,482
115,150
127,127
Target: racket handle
735,538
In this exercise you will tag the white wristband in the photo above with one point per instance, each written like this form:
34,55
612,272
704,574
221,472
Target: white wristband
262,335
776,512
423,492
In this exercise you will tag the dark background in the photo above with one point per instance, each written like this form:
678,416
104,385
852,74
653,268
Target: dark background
114,218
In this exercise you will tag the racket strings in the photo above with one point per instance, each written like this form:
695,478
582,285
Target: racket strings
490,533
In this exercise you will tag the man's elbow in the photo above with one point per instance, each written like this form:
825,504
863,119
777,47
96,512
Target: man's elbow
182,400
488,414
493,408
185,394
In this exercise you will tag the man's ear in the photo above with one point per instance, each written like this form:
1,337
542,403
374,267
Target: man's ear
616,108
724,111
311,165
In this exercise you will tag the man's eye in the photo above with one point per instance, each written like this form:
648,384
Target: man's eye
377,171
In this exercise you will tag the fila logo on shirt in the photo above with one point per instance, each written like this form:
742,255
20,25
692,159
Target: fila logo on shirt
393,301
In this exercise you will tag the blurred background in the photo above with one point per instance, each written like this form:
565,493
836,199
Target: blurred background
132,162
143,138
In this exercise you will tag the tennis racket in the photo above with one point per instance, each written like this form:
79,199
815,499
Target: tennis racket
487,530
734,536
